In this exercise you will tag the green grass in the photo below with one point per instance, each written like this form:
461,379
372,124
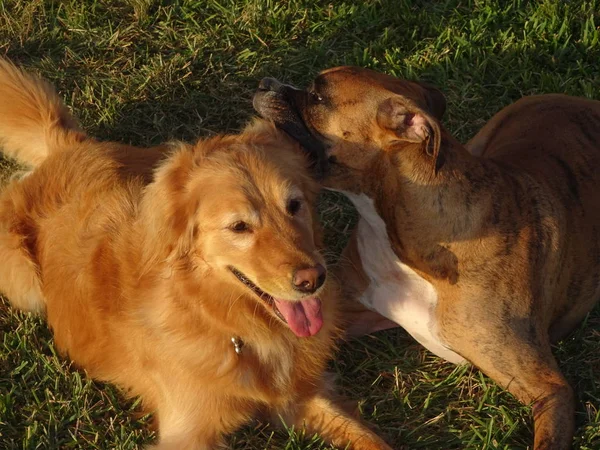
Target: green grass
146,71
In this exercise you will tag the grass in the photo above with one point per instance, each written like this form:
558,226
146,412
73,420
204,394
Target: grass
146,71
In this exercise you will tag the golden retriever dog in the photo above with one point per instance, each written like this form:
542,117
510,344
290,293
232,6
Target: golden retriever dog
189,275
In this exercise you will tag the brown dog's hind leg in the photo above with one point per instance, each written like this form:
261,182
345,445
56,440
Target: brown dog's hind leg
569,322
531,374
320,415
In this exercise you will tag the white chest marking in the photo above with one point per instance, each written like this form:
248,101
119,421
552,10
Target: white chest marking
396,291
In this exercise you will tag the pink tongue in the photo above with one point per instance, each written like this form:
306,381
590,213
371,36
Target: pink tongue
304,317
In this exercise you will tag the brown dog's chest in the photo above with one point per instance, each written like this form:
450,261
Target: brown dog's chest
395,290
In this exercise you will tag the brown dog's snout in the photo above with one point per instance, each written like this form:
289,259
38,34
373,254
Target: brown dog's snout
310,279
269,84
282,103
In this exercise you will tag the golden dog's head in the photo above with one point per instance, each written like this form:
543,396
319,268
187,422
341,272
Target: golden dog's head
354,115
241,210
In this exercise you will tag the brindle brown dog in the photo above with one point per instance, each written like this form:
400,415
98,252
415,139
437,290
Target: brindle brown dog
486,252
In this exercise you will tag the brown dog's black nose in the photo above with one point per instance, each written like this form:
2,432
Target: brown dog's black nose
269,84
309,280
288,91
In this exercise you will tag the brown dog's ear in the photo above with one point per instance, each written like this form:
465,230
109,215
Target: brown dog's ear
408,123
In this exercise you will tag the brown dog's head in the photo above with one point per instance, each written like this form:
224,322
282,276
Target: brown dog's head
354,114
240,210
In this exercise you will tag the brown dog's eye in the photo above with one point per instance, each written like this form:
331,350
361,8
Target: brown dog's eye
293,206
316,97
240,227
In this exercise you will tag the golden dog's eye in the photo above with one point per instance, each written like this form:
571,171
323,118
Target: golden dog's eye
239,227
293,206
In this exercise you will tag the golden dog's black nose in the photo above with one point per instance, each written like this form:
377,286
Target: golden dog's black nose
309,280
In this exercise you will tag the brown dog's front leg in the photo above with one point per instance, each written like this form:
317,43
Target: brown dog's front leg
320,415
553,418
528,370
551,397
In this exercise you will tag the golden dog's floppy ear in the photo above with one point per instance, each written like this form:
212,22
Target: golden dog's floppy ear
409,123
171,204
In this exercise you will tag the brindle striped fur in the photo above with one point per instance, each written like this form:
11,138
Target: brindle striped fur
507,228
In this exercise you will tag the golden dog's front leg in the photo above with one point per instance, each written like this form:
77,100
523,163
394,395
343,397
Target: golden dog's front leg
191,419
321,415
189,434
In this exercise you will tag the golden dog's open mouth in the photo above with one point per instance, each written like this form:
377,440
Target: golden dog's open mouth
304,316
269,300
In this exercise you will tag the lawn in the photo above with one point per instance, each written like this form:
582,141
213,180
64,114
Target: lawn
145,71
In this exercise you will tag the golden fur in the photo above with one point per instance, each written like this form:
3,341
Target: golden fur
128,252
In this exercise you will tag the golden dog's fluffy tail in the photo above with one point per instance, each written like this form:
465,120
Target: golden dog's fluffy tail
34,122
